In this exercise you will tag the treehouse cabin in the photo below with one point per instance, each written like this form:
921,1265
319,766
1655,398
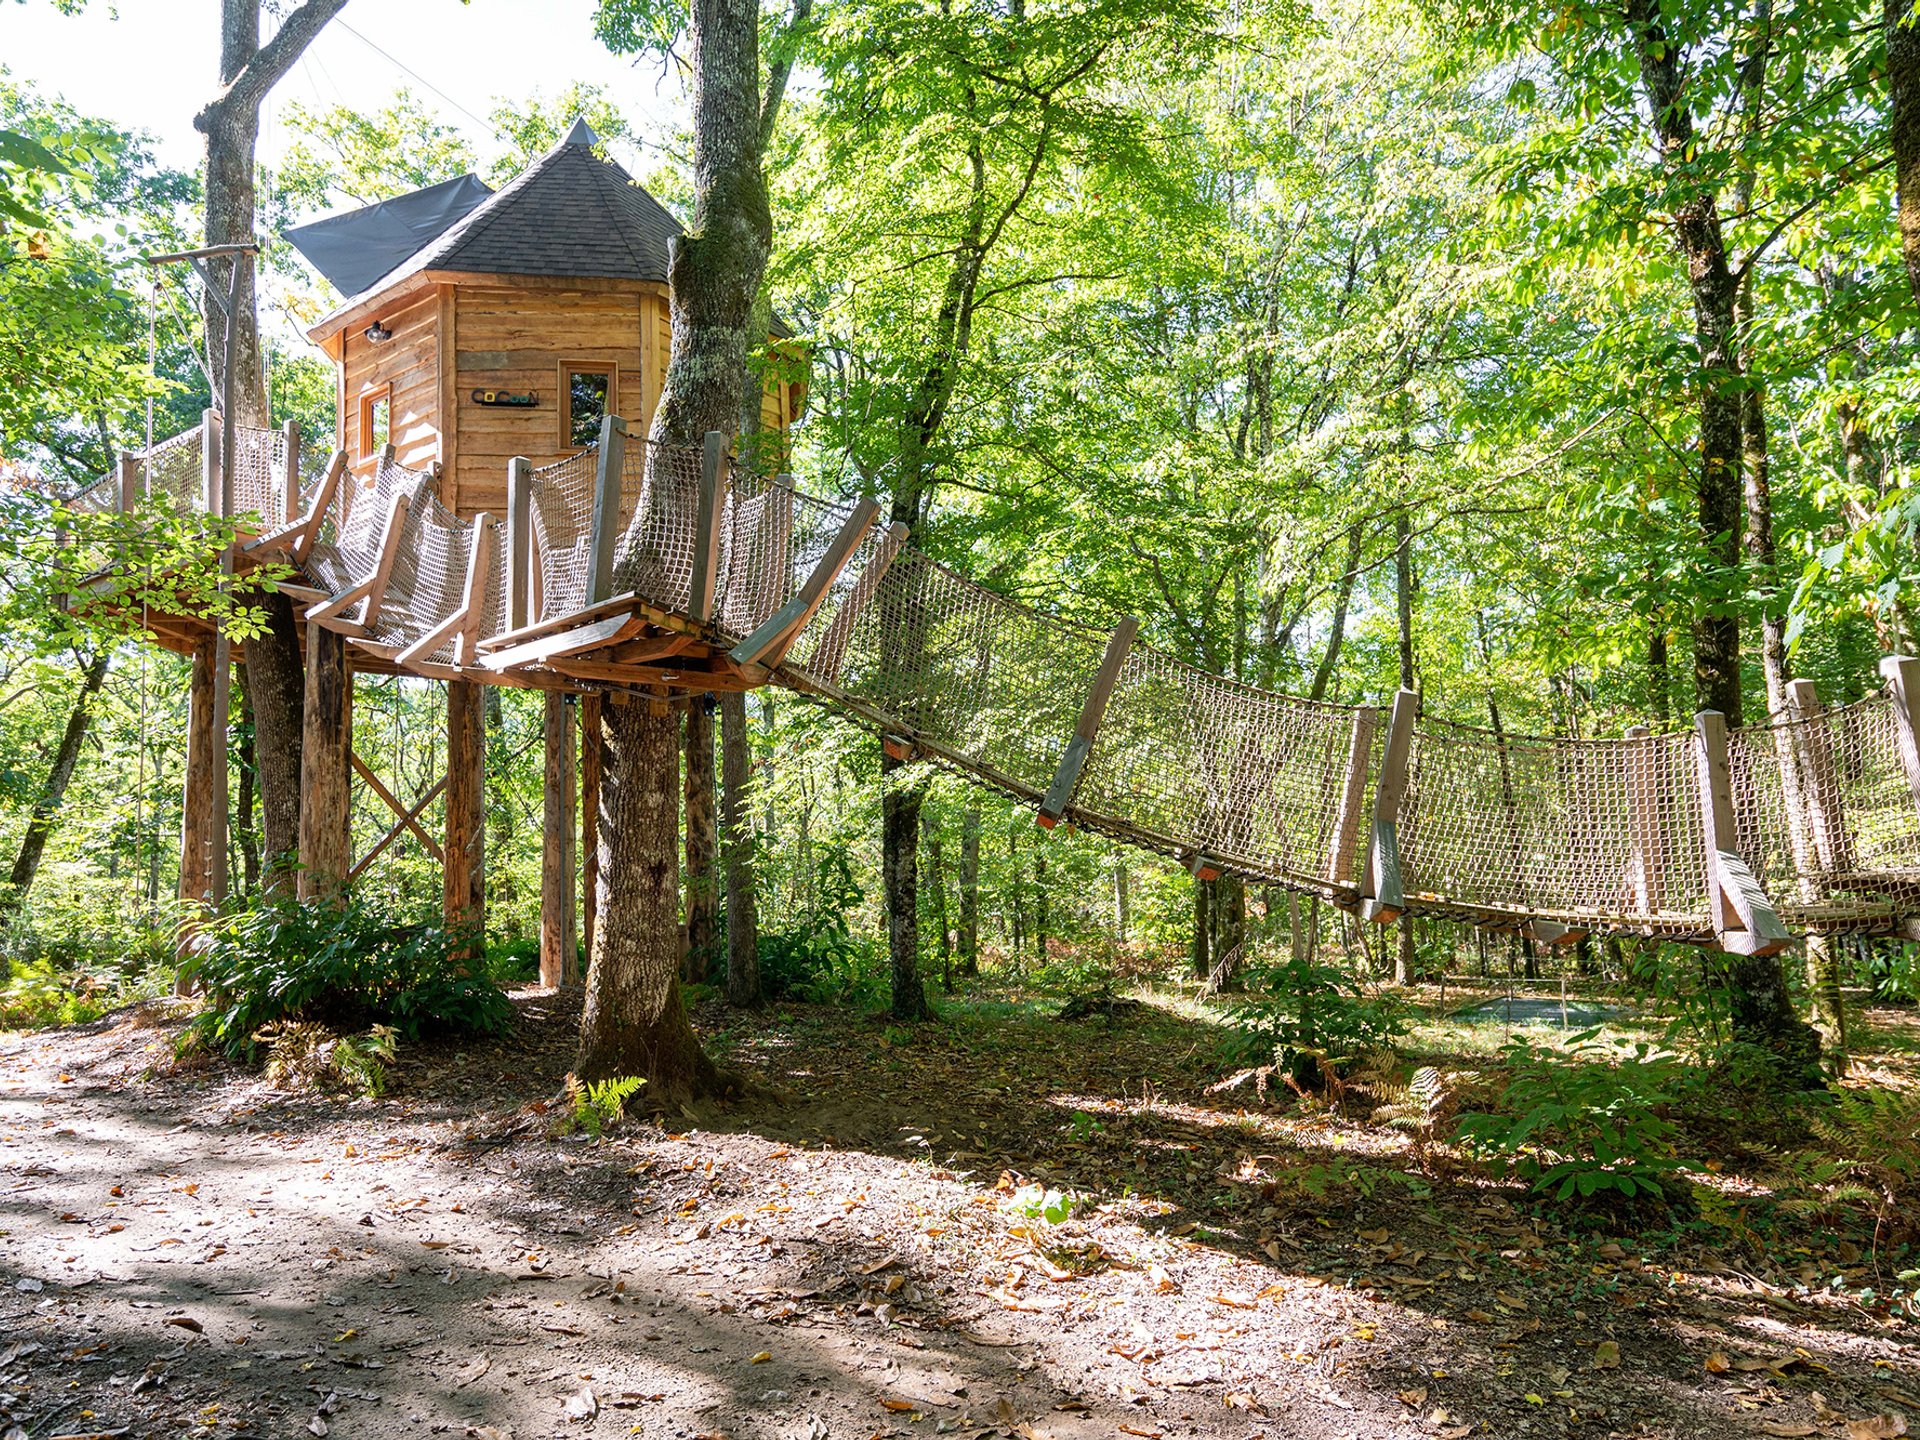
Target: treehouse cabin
485,324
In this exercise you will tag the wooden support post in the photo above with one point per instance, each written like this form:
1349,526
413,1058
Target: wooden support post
129,494
290,475
592,716
464,867
1382,889
559,959
197,798
326,767
1742,915
1643,819
1902,674
1346,827
706,533
1826,815
609,470
1092,712
520,560
769,644
210,487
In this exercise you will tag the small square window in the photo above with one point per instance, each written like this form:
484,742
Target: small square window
376,422
587,400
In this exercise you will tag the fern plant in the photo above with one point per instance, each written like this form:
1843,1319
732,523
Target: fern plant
595,1105
1418,1109
1868,1156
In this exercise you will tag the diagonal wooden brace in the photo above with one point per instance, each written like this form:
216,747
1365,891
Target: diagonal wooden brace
769,644
372,590
1067,777
1383,886
1744,919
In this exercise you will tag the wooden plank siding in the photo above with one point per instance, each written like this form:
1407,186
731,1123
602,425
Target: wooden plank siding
409,363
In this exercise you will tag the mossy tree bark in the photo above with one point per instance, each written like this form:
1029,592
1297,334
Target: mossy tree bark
703,849
736,843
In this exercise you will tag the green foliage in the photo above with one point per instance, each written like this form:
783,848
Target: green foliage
346,966
1588,1121
596,1105
1038,1202
305,1055
817,957
1867,1154
1307,1018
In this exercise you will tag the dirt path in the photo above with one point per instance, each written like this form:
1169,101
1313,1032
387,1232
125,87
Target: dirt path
202,1255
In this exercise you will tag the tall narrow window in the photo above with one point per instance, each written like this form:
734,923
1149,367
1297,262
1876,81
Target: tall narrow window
376,421
587,399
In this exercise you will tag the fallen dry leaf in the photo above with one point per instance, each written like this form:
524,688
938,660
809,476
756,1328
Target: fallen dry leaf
1606,1355
1876,1427
186,1322
1787,1428
1415,1397
1718,1364
582,1406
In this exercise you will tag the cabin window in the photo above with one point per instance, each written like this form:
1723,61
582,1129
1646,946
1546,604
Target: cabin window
376,421
588,392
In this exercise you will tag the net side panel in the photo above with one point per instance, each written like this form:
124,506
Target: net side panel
562,510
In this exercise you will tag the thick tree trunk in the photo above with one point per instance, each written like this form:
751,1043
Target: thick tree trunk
1122,908
244,830
1696,225
1903,126
1202,931
593,751
1763,1016
326,776
634,1023
900,829
53,793
559,948
736,844
465,847
1824,980
1337,630
937,895
968,938
703,849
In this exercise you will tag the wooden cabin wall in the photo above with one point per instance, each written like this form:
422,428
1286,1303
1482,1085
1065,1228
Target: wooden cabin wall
517,339
409,363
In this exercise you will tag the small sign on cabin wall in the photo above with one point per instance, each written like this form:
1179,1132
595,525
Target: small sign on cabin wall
514,399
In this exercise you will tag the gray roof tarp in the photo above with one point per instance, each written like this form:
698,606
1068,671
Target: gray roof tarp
355,249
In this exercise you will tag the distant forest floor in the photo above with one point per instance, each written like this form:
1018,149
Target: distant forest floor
874,1247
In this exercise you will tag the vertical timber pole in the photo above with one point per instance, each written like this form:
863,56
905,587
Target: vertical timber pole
592,726
1820,852
196,801
129,482
326,767
520,561
1902,674
465,867
290,474
1346,827
1382,889
1643,798
559,959
605,534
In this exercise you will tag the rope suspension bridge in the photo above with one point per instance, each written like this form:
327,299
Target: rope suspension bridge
666,572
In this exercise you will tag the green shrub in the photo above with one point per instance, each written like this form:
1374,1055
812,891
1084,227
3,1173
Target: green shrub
514,962
1866,1153
348,966
1305,1018
1585,1122
304,1055
816,958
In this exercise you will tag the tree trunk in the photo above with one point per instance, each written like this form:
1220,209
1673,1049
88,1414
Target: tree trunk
1202,932
33,844
1763,1016
1829,999
244,829
1122,917
1337,631
465,848
325,846
559,948
969,927
633,1023
736,844
1696,225
1903,126
1040,901
900,821
703,847
1403,593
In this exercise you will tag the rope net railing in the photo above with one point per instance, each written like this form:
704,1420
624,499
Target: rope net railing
1490,827
176,469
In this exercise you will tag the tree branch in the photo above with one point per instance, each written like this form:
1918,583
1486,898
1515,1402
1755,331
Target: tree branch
272,60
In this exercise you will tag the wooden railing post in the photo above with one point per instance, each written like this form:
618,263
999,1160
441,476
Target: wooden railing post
1742,915
1382,891
1643,819
610,467
1826,816
290,475
520,559
1346,825
129,494
1902,674
1092,712
706,532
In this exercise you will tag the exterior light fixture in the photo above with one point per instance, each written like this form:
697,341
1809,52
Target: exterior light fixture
377,332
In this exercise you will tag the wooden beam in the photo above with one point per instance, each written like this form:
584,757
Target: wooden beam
129,490
383,568
1346,825
411,818
414,657
326,783
706,531
768,645
1743,917
559,959
1087,729
336,606
1826,813
832,648
464,863
619,604
609,469
520,559
1383,887
591,636
1902,674
474,603
290,474
1643,820
592,710
322,502
406,816
210,487
197,797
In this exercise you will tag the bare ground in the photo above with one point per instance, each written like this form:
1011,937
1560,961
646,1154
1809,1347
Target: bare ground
196,1253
